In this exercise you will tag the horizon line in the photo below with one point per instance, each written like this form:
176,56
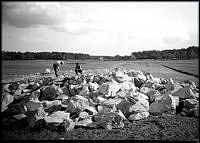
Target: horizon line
96,55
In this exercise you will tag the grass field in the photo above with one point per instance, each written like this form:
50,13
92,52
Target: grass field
14,69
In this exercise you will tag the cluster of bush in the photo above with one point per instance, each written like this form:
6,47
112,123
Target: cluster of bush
189,53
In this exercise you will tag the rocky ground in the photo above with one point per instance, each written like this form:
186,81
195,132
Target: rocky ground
101,105
174,128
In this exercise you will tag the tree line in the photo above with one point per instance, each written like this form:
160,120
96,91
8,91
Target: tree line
179,54
189,53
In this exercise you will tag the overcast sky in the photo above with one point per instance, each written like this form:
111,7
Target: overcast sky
99,28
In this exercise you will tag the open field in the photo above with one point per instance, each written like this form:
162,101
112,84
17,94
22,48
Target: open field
14,69
161,127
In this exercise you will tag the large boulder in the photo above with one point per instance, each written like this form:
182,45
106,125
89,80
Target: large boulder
52,106
95,79
142,105
69,124
72,108
104,88
65,91
83,115
145,90
77,103
18,94
48,93
124,106
140,95
81,102
6,88
109,89
120,76
19,107
33,105
140,109
6,99
56,119
172,85
157,108
127,89
190,103
14,86
74,89
111,102
93,86
149,84
138,82
85,122
184,93
34,95
107,120
162,105
151,93
35,118
127,86
138,116
140,75
84,90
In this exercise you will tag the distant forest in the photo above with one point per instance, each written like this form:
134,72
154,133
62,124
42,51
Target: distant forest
180,54
188,53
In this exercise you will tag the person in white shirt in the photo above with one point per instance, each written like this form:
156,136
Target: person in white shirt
56,66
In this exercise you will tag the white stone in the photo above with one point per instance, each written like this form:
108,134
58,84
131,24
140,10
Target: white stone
6,99
139,116
93,86
57,117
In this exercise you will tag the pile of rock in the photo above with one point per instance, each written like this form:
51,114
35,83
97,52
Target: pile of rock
102,100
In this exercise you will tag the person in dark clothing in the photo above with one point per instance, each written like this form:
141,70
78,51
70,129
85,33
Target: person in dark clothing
78,69
56,67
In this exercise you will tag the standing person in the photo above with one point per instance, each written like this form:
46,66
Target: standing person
78,69
56,66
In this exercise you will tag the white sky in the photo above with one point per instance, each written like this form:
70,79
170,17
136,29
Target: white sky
99,28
